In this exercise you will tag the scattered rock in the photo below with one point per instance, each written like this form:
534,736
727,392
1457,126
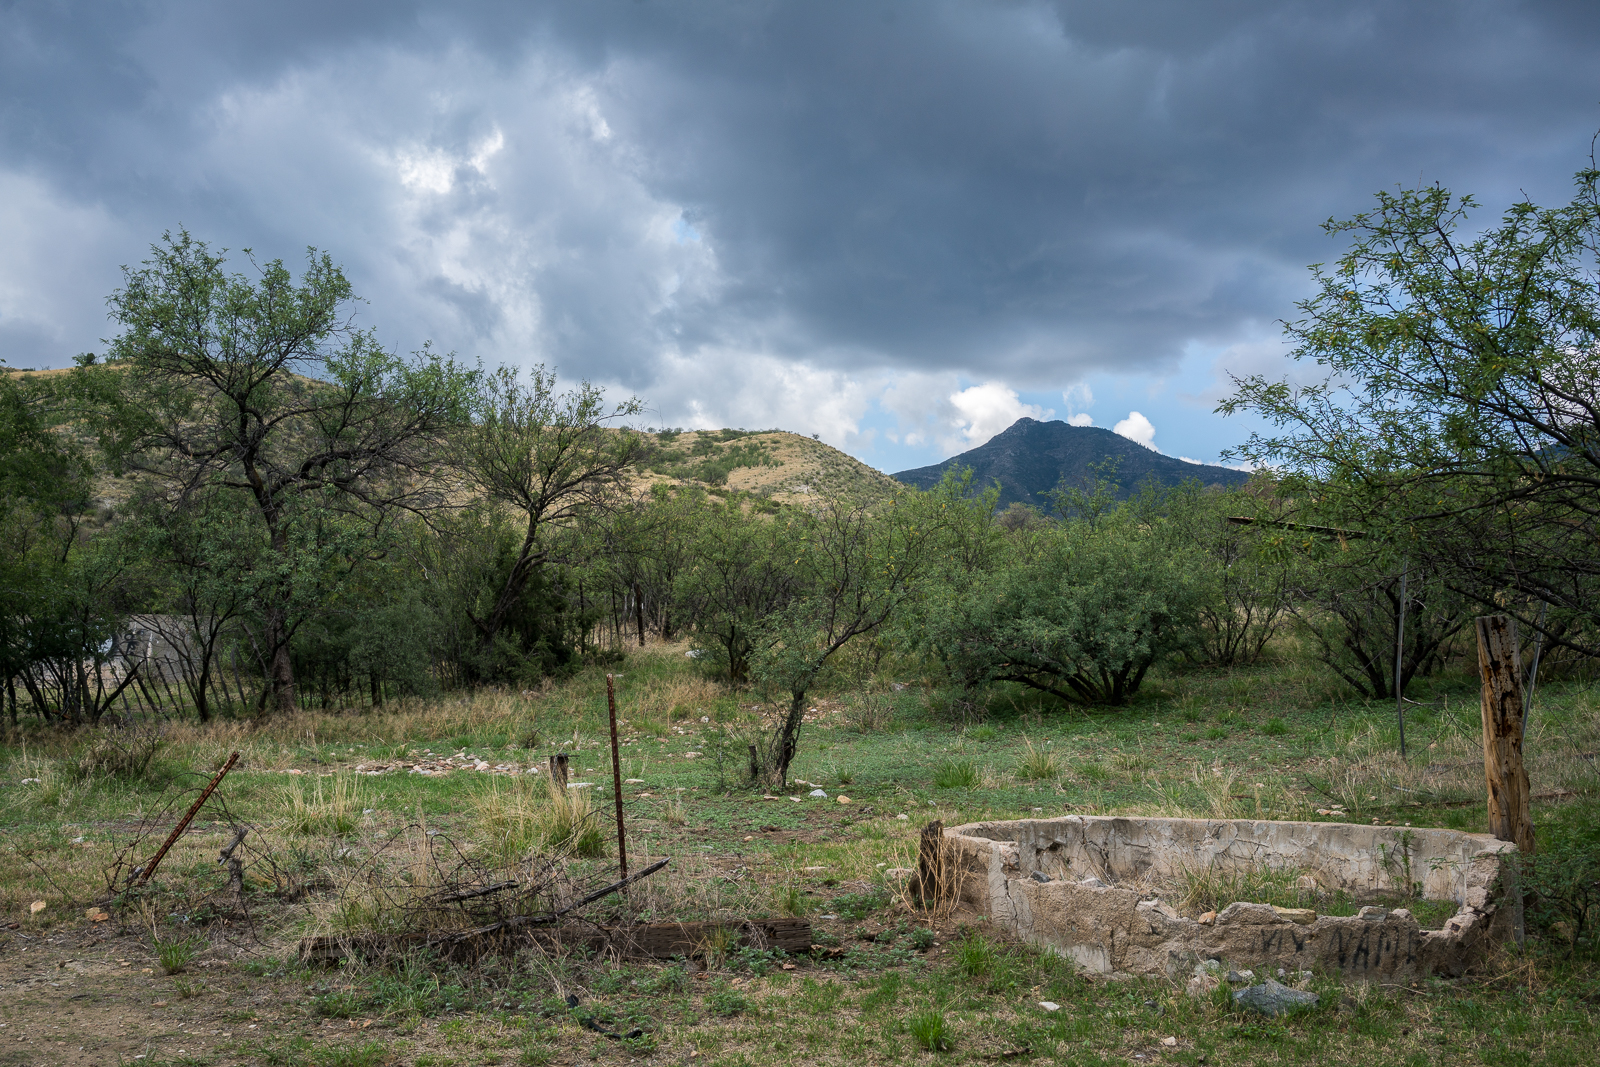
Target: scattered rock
1049,1005
1372,914
1040,876
1092,883
1274,998
844,800
818,793
36,907
1300,916
1169,1041
1240,977
899,874
903,818
1208,918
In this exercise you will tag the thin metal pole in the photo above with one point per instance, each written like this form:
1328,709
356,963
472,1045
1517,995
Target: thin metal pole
616,778
1533,671
1399,661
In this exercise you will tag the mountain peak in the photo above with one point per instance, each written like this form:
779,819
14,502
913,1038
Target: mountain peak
1029,458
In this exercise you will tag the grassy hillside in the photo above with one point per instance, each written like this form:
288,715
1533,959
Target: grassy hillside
784,466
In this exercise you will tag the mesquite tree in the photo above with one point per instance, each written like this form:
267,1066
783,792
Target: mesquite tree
553,459
264,390
856,563
1459,419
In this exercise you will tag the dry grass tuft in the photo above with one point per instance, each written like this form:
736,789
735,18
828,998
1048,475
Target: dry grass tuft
317,811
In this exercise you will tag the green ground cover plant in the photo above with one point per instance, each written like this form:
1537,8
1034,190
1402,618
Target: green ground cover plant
734,853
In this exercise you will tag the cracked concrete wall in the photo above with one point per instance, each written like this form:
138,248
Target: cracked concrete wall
1116,929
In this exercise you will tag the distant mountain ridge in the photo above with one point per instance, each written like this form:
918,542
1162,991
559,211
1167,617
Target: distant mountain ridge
1031,458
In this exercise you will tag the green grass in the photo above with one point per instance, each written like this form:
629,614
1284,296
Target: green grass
930,1030
176,955
1196,743
956,774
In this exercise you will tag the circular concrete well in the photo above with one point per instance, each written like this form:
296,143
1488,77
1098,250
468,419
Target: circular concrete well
1109,892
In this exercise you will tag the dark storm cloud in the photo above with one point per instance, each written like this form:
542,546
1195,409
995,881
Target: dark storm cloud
1020,191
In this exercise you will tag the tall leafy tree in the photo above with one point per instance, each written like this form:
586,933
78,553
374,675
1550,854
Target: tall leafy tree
740,571
263,388
64,586
1458,416
552,459
857,563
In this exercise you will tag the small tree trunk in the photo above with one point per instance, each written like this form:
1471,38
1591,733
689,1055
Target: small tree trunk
1500,664
280,669
932,886
788,739
638,611
199,690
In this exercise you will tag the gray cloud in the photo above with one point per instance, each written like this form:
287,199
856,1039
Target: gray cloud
693,199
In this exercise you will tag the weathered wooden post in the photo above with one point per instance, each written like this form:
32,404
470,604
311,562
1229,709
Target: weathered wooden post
1500,664
932,860
558,769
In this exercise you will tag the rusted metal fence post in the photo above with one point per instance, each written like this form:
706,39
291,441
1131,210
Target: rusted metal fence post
558,769
616,778
142,875
1500,664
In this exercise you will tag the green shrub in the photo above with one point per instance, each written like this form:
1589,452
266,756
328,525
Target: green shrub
1562,881
974,956
1080,609
1274,727
930,1030
956,774
177,954
1037,764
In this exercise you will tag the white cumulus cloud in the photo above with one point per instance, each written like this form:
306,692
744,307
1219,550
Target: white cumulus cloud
984,410
1078,397
1137,428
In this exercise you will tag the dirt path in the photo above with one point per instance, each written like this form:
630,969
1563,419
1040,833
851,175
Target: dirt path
97,998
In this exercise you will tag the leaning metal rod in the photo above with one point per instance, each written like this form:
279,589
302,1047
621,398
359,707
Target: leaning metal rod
616,779
148,869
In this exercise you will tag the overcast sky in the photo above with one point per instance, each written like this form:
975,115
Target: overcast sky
897,225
